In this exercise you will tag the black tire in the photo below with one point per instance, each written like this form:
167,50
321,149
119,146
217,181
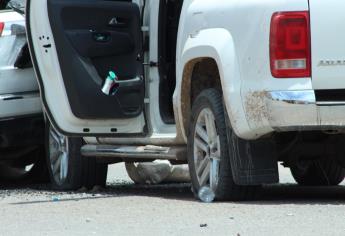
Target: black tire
226,189
81,171
320,172
39,171
17,172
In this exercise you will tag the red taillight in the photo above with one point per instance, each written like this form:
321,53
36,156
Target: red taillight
2,26
290,45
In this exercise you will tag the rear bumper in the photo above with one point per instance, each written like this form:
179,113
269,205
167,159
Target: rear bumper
300,110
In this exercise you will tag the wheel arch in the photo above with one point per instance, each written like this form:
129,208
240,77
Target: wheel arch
210,53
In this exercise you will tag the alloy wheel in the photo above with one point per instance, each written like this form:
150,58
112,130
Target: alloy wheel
58,155
207,150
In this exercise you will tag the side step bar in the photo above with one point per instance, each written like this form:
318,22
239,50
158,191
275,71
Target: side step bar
110,153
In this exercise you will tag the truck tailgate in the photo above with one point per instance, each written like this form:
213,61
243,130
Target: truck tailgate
327,20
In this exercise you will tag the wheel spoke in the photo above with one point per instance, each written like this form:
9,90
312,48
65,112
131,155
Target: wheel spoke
214,170
54,156
210,127
55,137
200,144
216,155
56,166
202,166
201,132
205,175
63,166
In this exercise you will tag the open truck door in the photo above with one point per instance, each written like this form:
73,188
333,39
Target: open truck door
74,45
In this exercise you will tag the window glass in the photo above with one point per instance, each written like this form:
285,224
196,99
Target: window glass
4,4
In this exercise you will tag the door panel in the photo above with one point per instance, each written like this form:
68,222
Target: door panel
99,36
74,45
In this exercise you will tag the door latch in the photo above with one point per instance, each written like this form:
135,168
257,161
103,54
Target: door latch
151,64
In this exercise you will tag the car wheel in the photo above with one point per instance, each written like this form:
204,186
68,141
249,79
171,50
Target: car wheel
68,169
320,172
208,150
37,172
29,168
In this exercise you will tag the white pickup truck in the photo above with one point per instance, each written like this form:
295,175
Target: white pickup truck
230,86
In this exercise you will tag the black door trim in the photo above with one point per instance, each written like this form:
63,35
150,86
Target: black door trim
46,109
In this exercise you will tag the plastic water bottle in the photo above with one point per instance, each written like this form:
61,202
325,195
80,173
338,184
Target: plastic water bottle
206,194
109,83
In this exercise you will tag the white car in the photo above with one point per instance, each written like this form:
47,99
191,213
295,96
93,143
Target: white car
21,119
230,86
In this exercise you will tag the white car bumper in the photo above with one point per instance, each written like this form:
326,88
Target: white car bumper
298,111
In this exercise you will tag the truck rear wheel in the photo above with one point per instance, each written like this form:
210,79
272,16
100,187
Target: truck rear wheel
68,169
208,150
320,172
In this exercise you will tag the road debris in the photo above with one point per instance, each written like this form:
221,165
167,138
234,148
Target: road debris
55,198
157,172
206,195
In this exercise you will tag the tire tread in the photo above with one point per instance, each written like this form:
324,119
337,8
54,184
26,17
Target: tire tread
322,172
82,172
227,189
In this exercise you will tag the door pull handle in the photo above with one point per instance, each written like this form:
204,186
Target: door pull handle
116,22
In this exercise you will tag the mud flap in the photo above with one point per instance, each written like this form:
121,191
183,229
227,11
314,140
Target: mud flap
252,162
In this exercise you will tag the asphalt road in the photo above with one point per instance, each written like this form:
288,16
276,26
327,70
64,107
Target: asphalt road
126,209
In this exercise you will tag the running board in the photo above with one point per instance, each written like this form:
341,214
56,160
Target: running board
144,153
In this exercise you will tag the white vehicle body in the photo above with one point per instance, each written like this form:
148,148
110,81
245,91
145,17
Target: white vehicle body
19,94
242,56
21,118
232,38
257,103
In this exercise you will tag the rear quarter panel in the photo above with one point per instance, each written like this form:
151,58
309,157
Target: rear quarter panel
328,40
244,65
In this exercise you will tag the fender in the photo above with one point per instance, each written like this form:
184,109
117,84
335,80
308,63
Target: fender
215,43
